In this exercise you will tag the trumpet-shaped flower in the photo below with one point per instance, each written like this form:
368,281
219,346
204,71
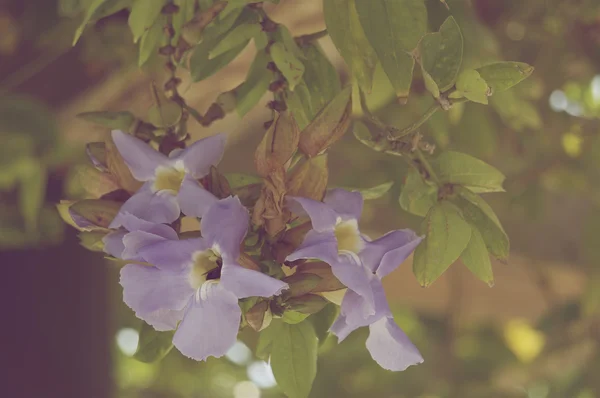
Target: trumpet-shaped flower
171,185
359,264
194,284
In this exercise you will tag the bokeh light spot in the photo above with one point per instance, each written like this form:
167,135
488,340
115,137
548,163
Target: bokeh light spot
261,374
127,340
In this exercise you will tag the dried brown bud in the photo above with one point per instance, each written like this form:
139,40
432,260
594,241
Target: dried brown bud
309,179
278,145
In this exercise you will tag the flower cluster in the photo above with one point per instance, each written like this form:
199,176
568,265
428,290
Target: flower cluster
241,269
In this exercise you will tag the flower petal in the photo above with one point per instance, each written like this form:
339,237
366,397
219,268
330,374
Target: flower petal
149,289
243,282
193,199
173,255
358,311
113,243
385,254
390,347
321,245
347,204
225,225
322,217
133,223
135,241
140,157
350,271
341,328
163,320
210,325
198,157
160,207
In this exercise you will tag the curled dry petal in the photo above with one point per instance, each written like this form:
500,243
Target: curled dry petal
278,144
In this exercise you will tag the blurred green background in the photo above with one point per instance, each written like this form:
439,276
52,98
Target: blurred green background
535,334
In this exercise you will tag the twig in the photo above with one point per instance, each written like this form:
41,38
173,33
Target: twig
304,40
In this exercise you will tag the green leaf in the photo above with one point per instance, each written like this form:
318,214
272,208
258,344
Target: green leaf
294,359
153,345
476,211
375,192
477,259
448,235
346,32
150,41
430,84
323,320
69,8
394,28
98,212
321,79
501,76
300,283
300,105
237,180
293,317
237,36
283,34
462,169
183,16
266,338
112,120
472,86
307,304
441,54
255,86
417,197
143,15
288,64
99,9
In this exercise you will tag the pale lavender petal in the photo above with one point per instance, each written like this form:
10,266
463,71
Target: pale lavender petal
113,243
243,282
140,157
135,241
133,223
160,207
322,217
225,225
210,325
193,199
358,311
198,157
347,204
321,245
385,254
163,320
390,347
148,289
341,328
173,255
349,270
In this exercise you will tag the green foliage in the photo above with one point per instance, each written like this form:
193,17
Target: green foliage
476,258
144,13
501,76
113,120
448,234
441,54
471,86
153,345
294,358
462,169
417,196
255,86
289,65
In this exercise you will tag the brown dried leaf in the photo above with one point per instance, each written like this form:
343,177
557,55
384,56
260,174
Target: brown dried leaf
329,282
259,316
328,126
278,144
117,167
309,179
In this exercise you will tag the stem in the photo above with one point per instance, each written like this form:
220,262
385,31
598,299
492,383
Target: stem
426,165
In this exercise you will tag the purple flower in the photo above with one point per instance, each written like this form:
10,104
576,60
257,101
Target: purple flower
194,282
360,264
170,182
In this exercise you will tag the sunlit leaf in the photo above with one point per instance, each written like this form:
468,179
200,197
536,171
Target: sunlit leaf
287,63
462,169
323,320
151,40
394,28
417,197
294,358
237,180
477,259
143,15
346,32
441,54
239,35
448,235
255,86
501,76
99,9
472,86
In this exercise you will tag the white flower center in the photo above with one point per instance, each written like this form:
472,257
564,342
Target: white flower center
168,178
348,237
203,262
